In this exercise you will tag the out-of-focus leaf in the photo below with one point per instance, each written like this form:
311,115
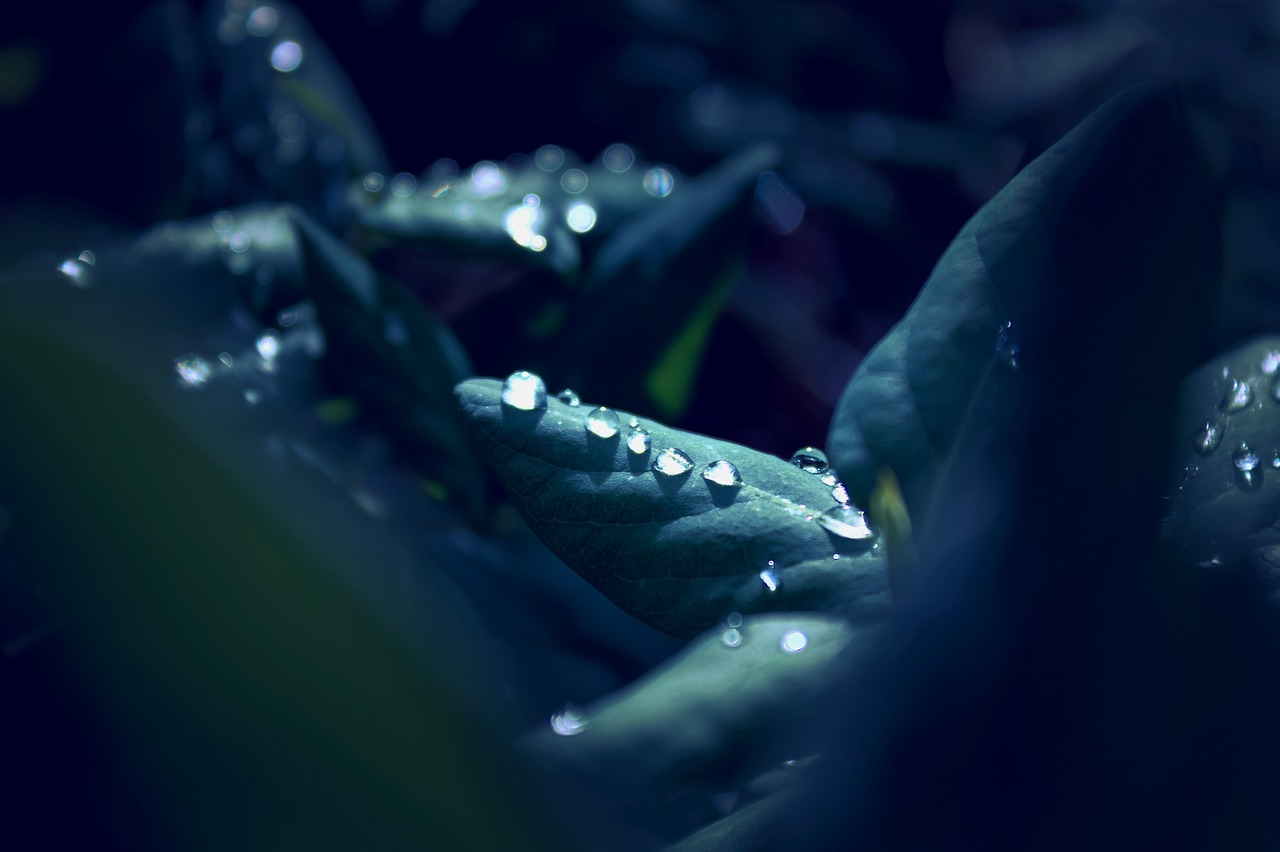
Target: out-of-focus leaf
391,354
1225,487
737,701
677,551
667,271
749,829
979,315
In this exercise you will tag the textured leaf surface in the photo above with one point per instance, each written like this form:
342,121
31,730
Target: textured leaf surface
678,552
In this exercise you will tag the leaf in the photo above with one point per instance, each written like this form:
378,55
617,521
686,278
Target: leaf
678,552
1036,258
1223,501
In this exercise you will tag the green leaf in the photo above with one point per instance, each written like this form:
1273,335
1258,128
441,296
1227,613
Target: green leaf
678,552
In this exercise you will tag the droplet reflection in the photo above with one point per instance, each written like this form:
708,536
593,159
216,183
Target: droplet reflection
1237,397
793,641
732,637
193,370
846,522
769,578
638,441
524,391
580,217
722,473
810,460
1247,465
672,462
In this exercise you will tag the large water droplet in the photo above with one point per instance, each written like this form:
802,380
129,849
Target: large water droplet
525,391
846,522
769,578
603,422
672,462
193,370
569,397
638,440
1237,397
1007,346
722,473
732,637
794,641
1247,465
569,722
810,460
1209,436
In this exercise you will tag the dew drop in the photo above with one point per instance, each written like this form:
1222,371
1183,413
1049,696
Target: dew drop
603,422
846,522
732,637
810,460
569,722
1209,436
794,641
722,473
634,422
830,479
769,578
840,494
1246,463
569,397
637,441
1270,362
193,370
1237,397
525,391
672,462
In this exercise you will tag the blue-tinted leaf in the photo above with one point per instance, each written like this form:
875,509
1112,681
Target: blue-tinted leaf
679,552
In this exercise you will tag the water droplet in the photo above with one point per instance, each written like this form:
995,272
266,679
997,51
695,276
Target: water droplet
722,473
286,56
734,619
769,578
569,397
732,637
1237,397
1209,436
1270,362
549,157
573,181
193,370
268,345
569,722
846,522
1246,463
603,422
634,422
1007,345
830,479
672,462
618,157
810,460
793,641
840,494
76,271
525,391
580,217
373,182
658,182
1275,460
638,440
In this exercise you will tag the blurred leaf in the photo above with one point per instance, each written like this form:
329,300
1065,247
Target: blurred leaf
678,552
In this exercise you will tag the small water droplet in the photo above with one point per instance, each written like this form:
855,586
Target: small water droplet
835,556
77,271
810,460
840,494
794,641
734,619
1275,460
193,370
769,578
1209,436
1246,463
830,479
569,722
672,462
638,440
1270,362
569,397
846,522
525,391
1007,346
732,637
658,182
603,422
722,473
634,422
1237,397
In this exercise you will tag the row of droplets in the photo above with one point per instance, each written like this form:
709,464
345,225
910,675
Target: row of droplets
1238,396
527,391
571,721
